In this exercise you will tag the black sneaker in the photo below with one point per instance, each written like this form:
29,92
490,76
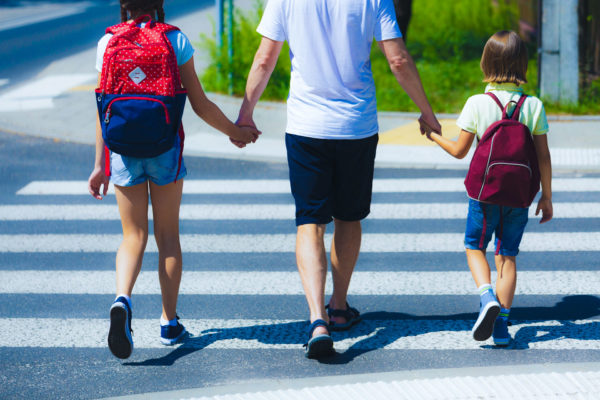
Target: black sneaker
119,334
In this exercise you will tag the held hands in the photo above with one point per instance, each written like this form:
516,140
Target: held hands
95,181
247,133
428,124
545,206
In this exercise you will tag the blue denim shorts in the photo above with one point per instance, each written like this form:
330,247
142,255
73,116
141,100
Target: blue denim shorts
331,178
509,228
161,170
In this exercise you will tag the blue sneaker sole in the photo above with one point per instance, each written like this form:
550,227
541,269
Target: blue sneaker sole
119,334
484,326
501,342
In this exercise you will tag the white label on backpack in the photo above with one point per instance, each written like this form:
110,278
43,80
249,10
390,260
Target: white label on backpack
137,75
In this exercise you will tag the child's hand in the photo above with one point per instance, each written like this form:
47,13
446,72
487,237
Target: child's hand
429,124
544,205
244,135
95,181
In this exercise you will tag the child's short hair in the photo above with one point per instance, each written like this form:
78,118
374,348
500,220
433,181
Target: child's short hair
504,59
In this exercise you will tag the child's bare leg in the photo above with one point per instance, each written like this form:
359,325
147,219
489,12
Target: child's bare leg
480,269
166,200
133,208
507,279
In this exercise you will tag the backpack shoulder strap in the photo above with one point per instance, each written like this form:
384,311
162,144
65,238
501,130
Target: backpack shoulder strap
502,108
119,28
516,112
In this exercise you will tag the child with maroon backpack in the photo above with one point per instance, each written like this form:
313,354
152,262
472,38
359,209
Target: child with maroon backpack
146,71
510,160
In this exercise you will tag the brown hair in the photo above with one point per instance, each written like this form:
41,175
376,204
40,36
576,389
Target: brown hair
134,8
504,59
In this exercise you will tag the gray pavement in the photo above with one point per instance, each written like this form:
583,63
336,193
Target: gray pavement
48,107
57,103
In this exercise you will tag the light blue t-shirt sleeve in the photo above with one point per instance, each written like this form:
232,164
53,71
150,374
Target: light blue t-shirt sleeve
181,46
271,24
386,26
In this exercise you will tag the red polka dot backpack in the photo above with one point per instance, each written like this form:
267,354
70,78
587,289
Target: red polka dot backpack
140,99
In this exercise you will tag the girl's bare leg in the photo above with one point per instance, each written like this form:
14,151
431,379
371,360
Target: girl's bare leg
166,200
133,208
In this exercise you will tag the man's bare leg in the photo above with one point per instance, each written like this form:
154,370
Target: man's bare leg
345,248
312,266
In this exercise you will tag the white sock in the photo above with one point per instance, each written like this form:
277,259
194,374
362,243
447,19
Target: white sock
484,288
127,298
164,322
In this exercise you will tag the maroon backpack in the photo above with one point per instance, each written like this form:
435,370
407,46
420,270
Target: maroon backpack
504,169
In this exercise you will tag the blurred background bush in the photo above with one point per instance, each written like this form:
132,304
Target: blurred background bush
445,38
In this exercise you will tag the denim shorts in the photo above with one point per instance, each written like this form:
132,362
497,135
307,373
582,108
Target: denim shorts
509,228
161,170
331,178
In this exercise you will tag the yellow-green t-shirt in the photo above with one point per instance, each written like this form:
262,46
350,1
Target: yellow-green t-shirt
480,110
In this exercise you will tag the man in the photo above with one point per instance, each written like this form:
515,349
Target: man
332,133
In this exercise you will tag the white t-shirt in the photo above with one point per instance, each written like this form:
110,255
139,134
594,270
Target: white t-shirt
332,92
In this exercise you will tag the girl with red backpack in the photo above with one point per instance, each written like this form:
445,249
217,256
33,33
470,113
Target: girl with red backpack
510,160
146,69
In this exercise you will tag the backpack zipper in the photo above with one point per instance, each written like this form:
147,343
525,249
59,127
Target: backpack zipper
107,116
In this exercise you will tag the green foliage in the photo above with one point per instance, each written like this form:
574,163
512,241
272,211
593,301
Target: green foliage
458,29
446,39
245,43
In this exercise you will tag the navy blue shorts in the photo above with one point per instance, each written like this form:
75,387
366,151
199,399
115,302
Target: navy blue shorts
331,178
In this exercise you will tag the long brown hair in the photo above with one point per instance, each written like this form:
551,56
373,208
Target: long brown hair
134,8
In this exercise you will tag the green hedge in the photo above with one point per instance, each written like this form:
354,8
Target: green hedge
445,38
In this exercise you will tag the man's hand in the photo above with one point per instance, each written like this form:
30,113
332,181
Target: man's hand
243,122
428,124
95,181
545,206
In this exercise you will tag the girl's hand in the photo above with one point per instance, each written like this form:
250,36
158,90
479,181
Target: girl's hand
244,135
545,206
95,181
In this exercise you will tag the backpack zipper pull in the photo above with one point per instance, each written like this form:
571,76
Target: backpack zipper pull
107,117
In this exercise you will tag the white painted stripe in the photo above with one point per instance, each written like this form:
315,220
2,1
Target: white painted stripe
385,211
38,94
288,283
28,14
414,334
458,385
264,186
285,243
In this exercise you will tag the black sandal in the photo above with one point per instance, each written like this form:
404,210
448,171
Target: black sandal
351,315
320,345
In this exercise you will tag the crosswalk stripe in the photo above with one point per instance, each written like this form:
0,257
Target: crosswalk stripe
404,334
262,283
285,243
271,211
271,186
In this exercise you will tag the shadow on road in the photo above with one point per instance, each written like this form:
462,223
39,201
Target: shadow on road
380,329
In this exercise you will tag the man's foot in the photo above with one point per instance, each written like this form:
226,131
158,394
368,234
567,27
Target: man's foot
501,335
488,312
342,320
119,334
320,345
171,334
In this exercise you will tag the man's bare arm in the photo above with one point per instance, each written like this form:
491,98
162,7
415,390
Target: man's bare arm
263,65
404,69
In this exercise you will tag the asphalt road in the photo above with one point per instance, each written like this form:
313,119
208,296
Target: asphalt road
55,301
28,49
